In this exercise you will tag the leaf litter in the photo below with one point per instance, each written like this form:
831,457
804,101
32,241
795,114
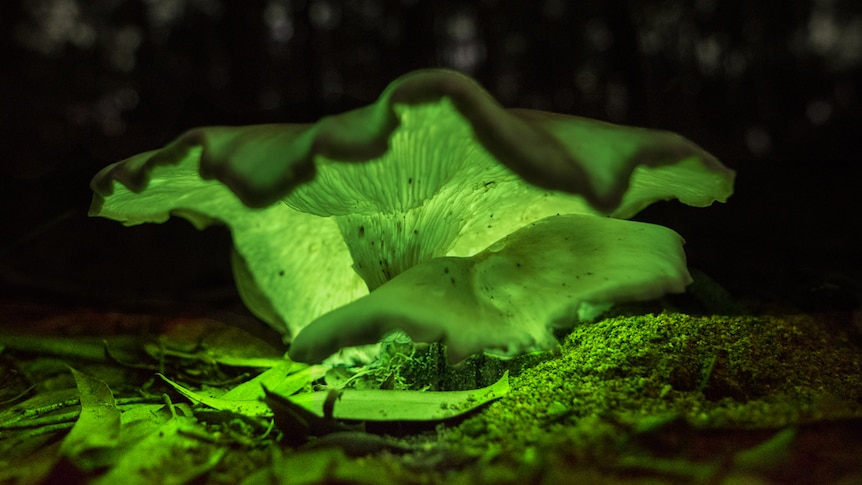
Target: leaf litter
116,416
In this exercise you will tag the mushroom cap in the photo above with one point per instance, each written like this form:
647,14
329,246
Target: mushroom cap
507,299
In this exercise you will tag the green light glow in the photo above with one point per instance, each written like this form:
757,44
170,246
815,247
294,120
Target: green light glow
433,176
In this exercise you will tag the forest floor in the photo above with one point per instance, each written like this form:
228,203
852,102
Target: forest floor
649,394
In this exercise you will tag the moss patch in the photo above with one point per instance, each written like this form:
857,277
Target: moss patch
633,386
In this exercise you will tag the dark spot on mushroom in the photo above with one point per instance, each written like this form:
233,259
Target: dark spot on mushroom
410,180
415,232
445,270
361,231
518,264
453,281
281,273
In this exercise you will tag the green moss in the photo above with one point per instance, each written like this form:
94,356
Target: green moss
633,374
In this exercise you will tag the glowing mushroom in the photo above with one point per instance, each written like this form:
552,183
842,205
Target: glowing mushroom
433,210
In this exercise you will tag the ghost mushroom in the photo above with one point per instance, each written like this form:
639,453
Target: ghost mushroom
433,210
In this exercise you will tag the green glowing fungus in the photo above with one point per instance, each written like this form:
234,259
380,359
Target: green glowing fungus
433,210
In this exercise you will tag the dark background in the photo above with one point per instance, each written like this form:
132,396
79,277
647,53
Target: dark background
770,87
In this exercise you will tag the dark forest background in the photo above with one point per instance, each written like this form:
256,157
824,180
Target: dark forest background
771,87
